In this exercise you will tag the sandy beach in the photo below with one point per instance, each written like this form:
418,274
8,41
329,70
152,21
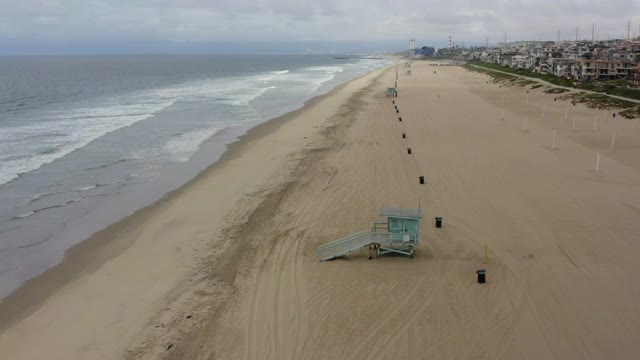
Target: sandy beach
225,267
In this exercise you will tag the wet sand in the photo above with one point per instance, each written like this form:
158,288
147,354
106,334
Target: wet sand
225,267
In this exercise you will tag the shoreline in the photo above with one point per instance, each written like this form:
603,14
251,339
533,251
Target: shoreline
227,268
100,188
89,255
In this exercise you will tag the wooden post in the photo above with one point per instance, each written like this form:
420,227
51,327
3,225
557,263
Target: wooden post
598,162
613,140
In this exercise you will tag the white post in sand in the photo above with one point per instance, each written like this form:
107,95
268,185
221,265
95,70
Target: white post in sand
527,98
613,140
595,124
574,123
526,119
502,115
554,140
543,111
598,162
566,113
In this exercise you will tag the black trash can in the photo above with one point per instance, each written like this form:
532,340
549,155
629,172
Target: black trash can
404,135
421,179
394,101
481,276
400,119
438,222
409,151
397,111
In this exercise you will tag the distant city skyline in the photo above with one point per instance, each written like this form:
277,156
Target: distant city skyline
176,26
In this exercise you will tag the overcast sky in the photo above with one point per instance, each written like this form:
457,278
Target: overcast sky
305,20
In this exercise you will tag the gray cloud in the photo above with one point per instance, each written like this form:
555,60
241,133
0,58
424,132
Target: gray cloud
230,20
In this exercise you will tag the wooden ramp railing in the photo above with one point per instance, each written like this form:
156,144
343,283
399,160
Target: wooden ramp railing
343,246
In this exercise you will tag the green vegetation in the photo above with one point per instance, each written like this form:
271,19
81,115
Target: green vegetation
603,102
546,77
500,78
625,92
556,90
613,87
630,110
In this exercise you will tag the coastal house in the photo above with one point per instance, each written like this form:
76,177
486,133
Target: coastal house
590,70
562,67
519,61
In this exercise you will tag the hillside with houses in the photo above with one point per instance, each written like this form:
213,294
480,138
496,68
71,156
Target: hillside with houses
579,61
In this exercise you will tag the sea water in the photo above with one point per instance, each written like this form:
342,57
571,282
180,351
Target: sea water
86,140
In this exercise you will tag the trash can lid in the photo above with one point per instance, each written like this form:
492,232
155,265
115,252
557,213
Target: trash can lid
481,271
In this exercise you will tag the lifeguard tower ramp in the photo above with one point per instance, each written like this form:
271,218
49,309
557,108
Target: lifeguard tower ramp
400,234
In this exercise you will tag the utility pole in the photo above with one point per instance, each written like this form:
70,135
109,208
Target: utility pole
577,33
558,36
593,32
629,30
487,41
505,40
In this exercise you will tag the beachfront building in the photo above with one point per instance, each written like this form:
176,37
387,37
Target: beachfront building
519,62
590,70
562,67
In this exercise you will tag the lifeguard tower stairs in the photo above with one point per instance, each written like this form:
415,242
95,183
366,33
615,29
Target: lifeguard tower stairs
400,234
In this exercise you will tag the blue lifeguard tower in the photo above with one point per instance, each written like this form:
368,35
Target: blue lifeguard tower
399,234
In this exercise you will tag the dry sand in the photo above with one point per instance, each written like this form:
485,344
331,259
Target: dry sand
225,268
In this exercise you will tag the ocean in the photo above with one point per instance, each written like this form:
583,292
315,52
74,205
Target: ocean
87,140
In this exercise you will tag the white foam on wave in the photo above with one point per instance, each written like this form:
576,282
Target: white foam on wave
236,91
307,82
244,96
183,146
72,134
25,215
327,69
27,148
